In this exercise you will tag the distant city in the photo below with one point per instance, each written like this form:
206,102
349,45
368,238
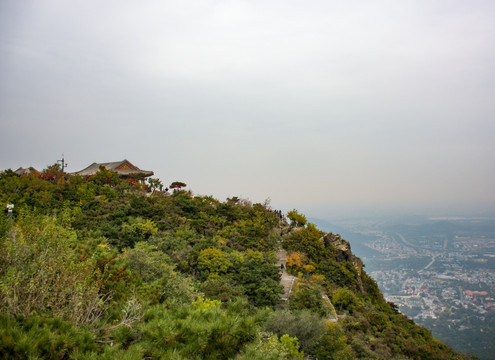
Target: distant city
438,271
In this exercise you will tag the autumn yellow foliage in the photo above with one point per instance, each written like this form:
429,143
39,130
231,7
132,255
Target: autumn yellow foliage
298,262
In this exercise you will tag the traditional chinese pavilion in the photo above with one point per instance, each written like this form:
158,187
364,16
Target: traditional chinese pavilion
124,168
25,172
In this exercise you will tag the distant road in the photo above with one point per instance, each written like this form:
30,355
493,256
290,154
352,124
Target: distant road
433,258
408,244
404,241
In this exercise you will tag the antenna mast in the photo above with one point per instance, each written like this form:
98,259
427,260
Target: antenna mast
64,165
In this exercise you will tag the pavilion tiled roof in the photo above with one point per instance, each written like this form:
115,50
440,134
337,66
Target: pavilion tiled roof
124,168
23,172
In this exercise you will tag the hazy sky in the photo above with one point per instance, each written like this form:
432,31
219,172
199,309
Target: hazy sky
319,105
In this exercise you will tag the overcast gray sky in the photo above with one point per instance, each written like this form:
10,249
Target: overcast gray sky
319,105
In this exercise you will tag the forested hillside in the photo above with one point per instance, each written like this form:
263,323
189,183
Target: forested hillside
105,268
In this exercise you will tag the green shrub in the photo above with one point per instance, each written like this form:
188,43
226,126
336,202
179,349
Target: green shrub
345,300
40,272
203,329
333,344
270,347
304,325
307,296
47,338
296,218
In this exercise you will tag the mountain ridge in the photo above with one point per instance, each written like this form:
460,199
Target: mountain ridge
101,267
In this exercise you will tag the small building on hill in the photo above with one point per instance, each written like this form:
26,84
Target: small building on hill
25,172
124,168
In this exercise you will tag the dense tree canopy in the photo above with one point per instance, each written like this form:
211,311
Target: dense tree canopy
103,267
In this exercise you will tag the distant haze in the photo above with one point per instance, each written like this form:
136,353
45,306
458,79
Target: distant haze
320,105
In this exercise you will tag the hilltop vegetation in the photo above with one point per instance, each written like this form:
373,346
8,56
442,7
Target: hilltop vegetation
103,268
